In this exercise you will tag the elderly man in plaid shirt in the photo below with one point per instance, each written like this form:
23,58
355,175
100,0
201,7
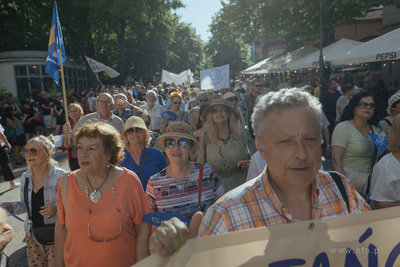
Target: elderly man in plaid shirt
290,189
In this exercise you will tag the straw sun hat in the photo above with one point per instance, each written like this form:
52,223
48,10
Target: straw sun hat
134,122
177,129
219,101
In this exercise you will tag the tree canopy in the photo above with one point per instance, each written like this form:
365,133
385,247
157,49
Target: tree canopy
135,37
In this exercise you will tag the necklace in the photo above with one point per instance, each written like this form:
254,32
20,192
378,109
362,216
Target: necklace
179,185
95,196
225,141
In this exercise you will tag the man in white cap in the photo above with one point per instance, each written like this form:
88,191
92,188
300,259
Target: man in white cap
393,109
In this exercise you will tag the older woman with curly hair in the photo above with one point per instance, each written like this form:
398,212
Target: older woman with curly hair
140,158
181,115
224,144
101,206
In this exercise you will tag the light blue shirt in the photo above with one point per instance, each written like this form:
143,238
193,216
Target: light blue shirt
49,194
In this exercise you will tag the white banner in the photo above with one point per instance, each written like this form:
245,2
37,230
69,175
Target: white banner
169,77
215,78
368,239
191,77
97,67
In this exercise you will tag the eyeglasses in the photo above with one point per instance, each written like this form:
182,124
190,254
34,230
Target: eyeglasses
183,142
132,130
257,85
366,105
203,100
32,152
106,103
221,110
96,239
177,103
231,99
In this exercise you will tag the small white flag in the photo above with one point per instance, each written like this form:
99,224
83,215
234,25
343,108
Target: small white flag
215,78
97,67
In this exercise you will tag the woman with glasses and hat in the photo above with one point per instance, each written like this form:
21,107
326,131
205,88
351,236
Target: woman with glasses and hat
201,100
224,144
140,158
353,151
38,198
184,187
393,109
233,102
181,115
100,206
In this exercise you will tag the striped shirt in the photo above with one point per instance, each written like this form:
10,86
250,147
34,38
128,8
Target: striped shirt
255,204
180,196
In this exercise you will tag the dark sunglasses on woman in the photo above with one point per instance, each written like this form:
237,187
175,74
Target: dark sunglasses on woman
183,142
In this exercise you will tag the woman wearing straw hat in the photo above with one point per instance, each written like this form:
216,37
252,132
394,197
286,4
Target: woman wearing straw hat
140,158
184,187
224,144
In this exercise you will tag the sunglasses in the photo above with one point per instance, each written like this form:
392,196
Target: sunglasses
203,100
32,152
231,99
257,85
221,110
183,142
366,105
132,130
177,103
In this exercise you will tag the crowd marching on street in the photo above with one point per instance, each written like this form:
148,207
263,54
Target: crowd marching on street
236,158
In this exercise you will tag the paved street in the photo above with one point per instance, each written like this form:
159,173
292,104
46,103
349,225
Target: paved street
15,250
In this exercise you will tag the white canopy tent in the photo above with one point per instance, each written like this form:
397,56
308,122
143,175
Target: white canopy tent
333,50
256,67
281,63
382,48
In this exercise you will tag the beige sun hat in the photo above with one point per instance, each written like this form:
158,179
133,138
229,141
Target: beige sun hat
177,129
228,95
394,98
219,101
134,122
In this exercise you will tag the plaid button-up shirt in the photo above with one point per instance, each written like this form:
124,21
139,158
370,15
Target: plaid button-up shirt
255,204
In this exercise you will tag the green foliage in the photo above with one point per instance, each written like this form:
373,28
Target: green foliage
296,21
226,45
134,37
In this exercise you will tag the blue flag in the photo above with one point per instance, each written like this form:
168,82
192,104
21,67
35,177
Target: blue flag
380,141
55,44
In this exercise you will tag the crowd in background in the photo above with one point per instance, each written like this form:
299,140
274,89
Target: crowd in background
169,139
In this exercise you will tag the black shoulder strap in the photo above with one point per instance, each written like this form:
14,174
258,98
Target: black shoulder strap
26,197
388,122
341,187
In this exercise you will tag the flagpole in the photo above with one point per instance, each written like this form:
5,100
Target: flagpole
64,92
97,76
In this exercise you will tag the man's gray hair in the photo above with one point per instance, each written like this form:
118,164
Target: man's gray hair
121,95
283,99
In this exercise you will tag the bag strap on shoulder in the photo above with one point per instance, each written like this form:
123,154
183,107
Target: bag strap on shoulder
64,188
341,187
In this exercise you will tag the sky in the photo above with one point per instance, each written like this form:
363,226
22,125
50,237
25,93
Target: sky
199,13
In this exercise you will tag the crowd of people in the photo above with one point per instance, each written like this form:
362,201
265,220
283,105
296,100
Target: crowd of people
188,152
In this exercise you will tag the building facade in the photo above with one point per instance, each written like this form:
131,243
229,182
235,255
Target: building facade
23,73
